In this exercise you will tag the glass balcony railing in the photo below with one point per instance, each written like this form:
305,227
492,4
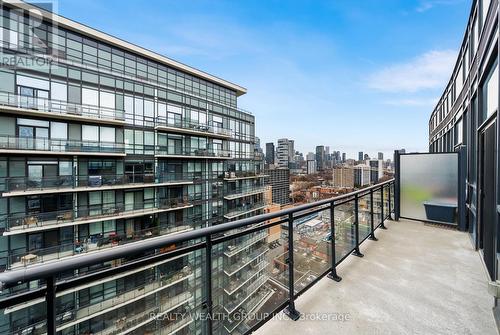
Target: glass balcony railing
192,152
235,175
55,145
263,263
33,184
22,258
244,209
232,302
82,214
245,191
155,284
240,245
60,107
143,315
193,126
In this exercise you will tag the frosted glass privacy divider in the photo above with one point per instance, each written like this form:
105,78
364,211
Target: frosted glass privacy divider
429,186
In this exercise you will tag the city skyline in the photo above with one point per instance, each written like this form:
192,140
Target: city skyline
399,87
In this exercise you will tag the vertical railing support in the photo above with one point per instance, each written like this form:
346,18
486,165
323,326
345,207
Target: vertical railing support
290,309
382,215
390,202
397,183
50,298
372,219
333,273
208,284
356,251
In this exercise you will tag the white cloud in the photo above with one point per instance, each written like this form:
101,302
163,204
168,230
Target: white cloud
426,5
430,70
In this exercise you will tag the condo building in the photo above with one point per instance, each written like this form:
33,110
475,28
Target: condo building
104,143
466,120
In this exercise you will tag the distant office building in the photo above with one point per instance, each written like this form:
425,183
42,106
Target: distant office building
380,156
291,150
376,170
350,162
311,166
361,175
367,157
336,157
279,179
284,152
360,156
320,157
343,177
310,156
343,157
270,153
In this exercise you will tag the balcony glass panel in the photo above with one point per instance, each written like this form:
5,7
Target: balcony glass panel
364,216
253,279
345,234
312,252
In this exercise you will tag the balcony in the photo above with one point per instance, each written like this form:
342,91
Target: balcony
233,176
155,285
192,128
245,192
414,276
244,209
238,246
17,223
183,152
18,186
23,258
45,146
41,107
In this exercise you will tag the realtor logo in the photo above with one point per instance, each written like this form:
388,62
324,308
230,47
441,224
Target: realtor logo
27,33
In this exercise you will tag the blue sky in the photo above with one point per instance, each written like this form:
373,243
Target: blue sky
355,75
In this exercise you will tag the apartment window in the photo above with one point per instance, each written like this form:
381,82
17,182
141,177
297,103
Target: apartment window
458,132
138,111
65,168
90,97
107,99
74,94
58,130
58,91
490,93
90,133
107,134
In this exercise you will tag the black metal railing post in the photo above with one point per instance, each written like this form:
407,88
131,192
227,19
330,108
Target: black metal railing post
290,309
356,251
333,273
208,284
372,219
382,215
50,298
390,202
396,182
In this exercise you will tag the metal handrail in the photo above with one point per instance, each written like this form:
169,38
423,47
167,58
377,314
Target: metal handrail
60,107
170,247
25,184
46,270
58,145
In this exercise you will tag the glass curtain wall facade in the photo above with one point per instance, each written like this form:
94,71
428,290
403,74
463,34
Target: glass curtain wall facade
466,118
109,144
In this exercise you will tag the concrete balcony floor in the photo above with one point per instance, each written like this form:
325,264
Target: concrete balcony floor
417,279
